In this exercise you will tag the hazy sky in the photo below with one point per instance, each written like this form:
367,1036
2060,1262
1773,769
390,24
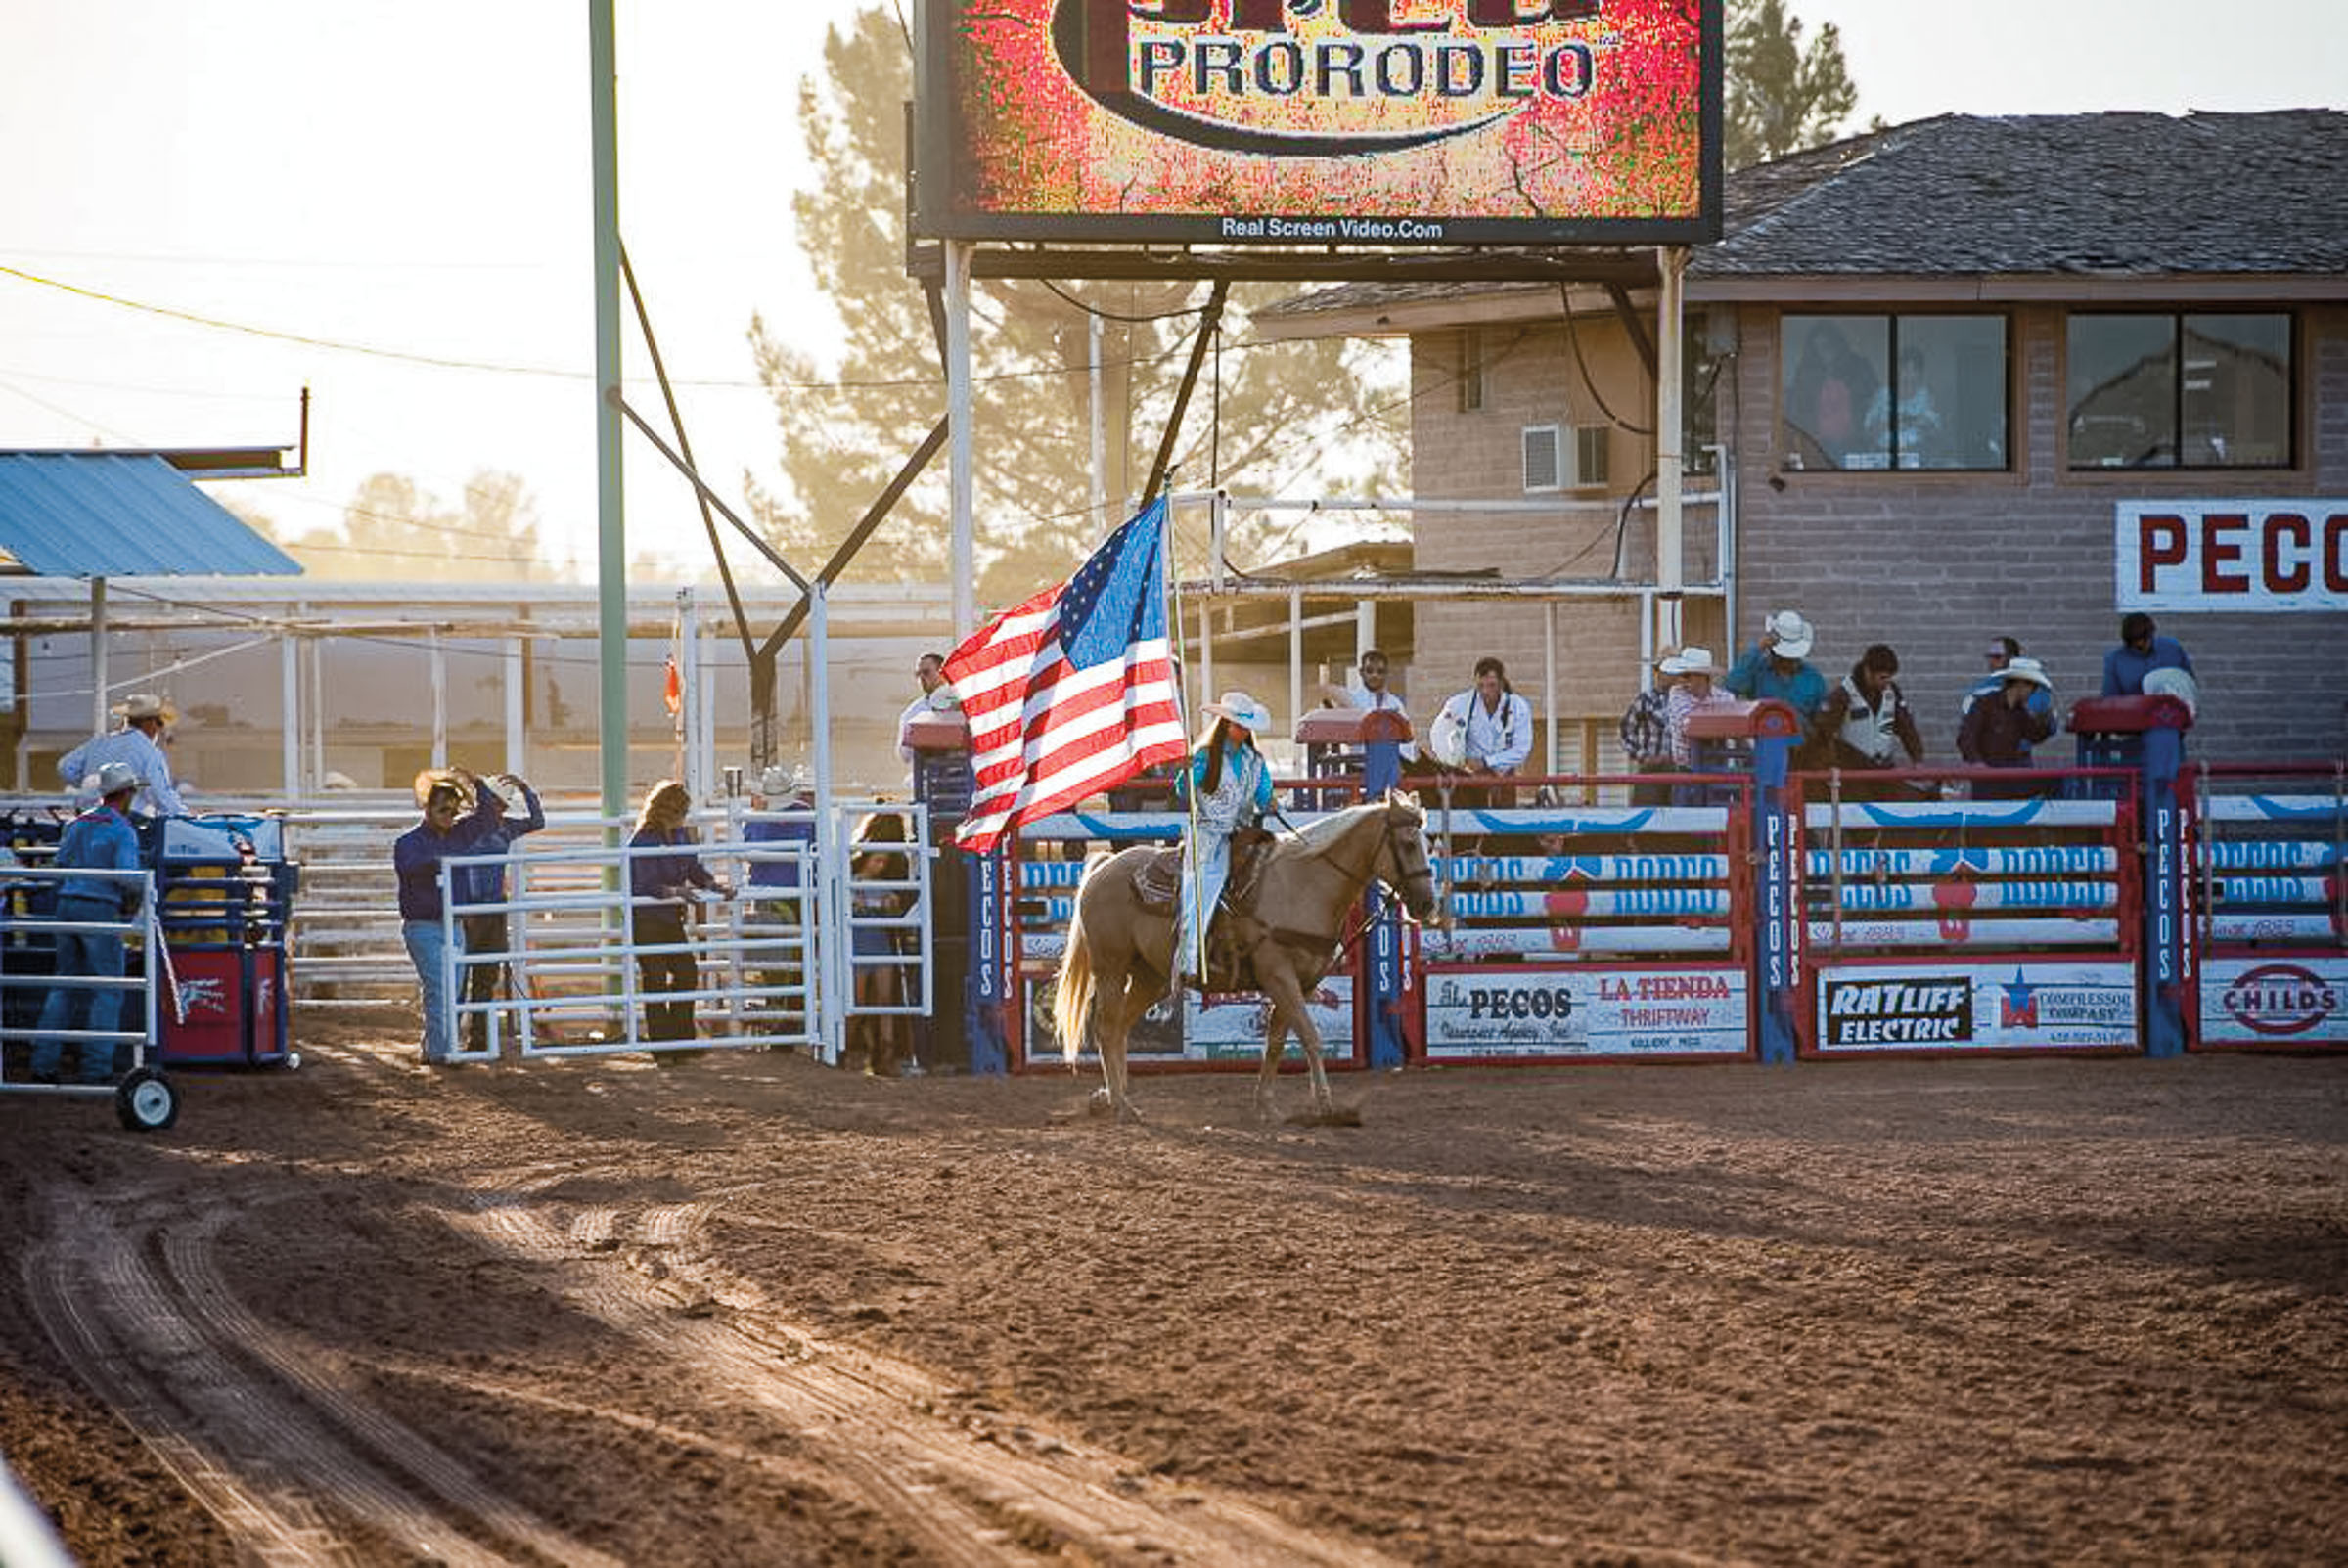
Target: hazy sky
413,179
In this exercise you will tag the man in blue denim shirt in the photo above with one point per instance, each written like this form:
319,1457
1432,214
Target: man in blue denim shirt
447,829
1778,667
100,840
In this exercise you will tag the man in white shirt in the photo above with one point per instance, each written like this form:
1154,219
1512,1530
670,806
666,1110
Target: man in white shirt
1496,728
931,671
1368,693
137,745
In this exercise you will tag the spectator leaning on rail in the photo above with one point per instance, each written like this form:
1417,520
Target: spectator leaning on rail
1368,693
490,932
659,886
1999,730
1864,723
2003,650
101,838
458,820
138,744
1495,731
1778,667
2141,651
938,697
1691,689
1647,733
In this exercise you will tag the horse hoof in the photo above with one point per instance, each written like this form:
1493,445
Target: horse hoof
1101,1104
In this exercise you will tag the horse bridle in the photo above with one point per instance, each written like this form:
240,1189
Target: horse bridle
1368,874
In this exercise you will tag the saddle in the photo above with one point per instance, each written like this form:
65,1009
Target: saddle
1157,887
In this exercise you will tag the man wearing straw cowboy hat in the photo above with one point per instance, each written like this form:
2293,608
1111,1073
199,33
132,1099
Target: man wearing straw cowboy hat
1228,786
138,747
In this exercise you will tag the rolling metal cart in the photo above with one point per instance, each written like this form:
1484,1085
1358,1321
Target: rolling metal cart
225,894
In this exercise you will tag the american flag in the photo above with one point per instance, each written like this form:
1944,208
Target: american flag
1072,692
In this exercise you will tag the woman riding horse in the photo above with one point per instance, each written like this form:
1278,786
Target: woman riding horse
1114,970
1229,788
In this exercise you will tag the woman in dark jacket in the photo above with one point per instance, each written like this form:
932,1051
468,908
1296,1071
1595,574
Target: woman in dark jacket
659,886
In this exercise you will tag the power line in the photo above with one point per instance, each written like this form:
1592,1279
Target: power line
499,368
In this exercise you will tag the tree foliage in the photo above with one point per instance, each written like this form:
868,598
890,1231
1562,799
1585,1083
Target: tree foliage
1294,418
393,529
1782,95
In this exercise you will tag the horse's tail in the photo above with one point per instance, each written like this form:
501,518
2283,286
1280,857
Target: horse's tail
1073,997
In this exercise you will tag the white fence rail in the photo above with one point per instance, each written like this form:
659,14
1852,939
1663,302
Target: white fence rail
820,929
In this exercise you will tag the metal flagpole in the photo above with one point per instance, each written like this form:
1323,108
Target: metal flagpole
612,542
1190,794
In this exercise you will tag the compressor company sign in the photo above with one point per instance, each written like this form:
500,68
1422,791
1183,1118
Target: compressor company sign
2234,556
1344,121
2009,1007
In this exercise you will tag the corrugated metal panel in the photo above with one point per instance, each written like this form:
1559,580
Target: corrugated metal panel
109,514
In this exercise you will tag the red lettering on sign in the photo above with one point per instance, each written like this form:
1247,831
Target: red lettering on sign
2294,577
2160,542
2335,552
1377,16
2217,548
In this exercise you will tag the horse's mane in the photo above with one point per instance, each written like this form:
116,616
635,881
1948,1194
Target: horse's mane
1321,836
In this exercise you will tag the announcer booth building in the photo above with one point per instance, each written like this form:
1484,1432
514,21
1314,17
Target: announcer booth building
1960,379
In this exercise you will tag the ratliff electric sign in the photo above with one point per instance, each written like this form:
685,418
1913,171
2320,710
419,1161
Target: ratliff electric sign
1320,121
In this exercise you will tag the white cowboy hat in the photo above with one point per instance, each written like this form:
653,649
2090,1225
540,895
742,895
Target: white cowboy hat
1794,635
112,779
1241,709
1693,659
2026,669
144,706
779,780
2172,683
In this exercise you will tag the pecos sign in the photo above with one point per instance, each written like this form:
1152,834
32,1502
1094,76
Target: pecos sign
1323,121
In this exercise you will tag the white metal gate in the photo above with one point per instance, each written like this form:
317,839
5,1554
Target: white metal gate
821,920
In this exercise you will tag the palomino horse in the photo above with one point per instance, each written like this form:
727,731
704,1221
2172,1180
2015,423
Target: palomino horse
1119,953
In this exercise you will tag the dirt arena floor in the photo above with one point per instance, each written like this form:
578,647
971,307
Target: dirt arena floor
751,1311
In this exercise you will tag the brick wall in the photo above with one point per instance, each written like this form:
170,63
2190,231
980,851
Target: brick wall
1936,565
1532,378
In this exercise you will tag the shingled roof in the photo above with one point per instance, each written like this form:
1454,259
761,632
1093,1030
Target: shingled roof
2085,195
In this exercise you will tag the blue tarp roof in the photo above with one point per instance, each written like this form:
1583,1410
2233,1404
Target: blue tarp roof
122,514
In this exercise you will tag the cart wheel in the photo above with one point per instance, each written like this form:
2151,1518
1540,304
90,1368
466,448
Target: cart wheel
146,1102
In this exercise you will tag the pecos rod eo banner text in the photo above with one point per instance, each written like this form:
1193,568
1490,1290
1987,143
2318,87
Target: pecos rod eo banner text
1371,123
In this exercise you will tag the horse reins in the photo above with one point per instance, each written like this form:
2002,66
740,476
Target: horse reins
1344,941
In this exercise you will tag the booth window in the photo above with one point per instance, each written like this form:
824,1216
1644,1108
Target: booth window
1468,372
2179,389
1893,392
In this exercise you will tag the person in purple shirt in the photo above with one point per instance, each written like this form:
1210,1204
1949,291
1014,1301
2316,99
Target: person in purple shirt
658,886
493,930
2141,651
459,818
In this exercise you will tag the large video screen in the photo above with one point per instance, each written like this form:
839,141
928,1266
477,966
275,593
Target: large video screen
1372,122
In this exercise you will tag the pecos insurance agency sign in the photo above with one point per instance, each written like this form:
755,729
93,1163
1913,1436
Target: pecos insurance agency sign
1320,121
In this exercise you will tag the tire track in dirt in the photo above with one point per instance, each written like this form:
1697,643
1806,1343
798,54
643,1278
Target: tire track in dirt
323,1380
972,1490
150,1384
264,1436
